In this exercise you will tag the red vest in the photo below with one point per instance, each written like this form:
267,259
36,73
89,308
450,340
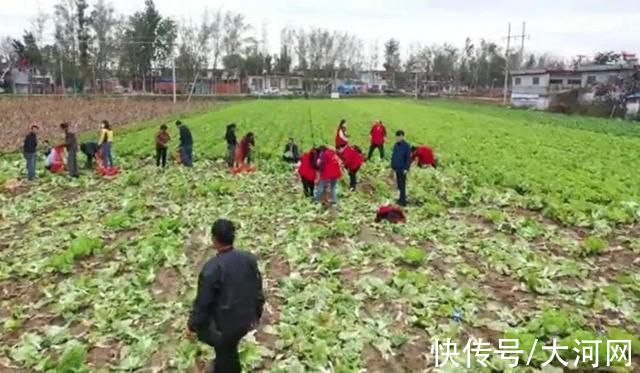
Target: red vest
352,159
424,156
378,133
330,166
305,169
339,140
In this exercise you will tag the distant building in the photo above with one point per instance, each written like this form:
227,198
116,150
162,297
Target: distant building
22,81
274,83
597,74
534,88
373,81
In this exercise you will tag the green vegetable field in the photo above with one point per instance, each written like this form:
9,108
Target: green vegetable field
528,230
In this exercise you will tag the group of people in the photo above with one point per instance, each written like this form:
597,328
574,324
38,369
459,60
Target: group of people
53,156
320,168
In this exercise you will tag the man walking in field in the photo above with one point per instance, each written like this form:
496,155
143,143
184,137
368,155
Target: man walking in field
30,151
232,141
71,144
186,144
229,301
378,134
400,163
162,144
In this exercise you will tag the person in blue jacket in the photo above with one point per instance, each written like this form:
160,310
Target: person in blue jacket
186,144
400,163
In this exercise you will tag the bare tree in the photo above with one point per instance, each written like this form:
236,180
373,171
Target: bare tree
103,28
216,37
374,55
234,35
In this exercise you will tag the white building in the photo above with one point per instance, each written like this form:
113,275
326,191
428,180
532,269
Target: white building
373,81
272,83
597,74
534,88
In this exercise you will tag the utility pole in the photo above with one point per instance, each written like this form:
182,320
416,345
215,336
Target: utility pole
173,73
417,78
506,67
524,32
64,90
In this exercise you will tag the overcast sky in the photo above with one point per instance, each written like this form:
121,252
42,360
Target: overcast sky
561,27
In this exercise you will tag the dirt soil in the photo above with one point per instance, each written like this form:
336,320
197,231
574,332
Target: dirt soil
83,113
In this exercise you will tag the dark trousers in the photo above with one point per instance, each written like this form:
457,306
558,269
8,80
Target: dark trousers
353,179
186,152
401,180
307,186
161,157
89,163
373,147
227,356
231,154
31,164
72,163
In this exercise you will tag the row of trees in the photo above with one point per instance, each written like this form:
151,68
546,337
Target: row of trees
92,41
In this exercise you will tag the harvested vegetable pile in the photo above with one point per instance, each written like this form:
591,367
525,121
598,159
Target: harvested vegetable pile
528,230
18,114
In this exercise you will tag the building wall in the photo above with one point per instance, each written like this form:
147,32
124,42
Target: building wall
526,85
533,101
601,76
227,88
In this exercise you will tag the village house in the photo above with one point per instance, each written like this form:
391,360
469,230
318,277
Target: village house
597,74
534,88
373,81
259,84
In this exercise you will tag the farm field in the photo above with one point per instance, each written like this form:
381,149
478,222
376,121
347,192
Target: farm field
83,113
528,230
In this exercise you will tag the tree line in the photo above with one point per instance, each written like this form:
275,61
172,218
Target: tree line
91,41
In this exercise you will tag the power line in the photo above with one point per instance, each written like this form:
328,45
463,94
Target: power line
507,57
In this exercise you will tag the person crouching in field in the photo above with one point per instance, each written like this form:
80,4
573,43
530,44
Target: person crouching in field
423,156
245,149
291,152
186,144
162,145
378,134
329,168
230,138
229,300
307,171
89,149
352,158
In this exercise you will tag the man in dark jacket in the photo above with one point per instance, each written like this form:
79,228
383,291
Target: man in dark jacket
30,152
232,141
291,152
71,144
400,163
89,149
186,144
229,301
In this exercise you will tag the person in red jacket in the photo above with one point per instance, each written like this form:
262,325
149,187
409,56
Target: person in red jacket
423,156
341,134
330,173
353,159
244,150
377,135
307,171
